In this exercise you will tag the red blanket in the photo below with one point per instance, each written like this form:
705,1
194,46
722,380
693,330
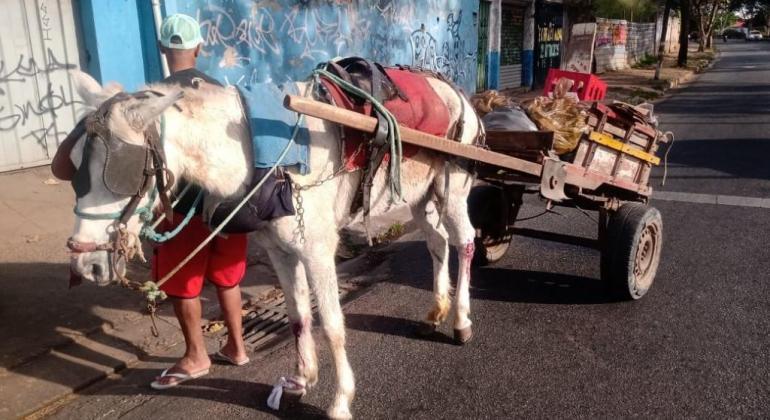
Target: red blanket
424,111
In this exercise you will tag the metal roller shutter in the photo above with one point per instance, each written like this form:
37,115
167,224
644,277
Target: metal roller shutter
38,102
511,43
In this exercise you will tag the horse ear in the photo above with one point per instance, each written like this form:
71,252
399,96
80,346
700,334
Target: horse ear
90,90
150,109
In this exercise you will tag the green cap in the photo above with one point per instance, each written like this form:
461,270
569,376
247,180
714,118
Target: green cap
180,32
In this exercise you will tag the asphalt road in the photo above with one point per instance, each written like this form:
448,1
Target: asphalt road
549,342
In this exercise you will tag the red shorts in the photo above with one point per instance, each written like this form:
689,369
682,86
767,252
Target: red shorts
222,261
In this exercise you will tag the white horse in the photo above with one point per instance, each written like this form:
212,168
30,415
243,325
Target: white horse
208,143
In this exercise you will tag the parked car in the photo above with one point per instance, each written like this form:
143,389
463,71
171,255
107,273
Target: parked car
754,36
734,33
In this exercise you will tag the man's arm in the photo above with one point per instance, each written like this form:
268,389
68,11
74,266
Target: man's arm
61,165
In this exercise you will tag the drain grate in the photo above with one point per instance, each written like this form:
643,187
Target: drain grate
269,319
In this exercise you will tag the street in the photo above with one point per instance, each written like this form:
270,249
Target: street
548,341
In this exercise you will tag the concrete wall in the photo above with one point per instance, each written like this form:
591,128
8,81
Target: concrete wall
641,41
620,44
610,47
282,40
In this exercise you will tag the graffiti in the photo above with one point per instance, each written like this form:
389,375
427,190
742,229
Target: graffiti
27,114
452,59
308,28
611,33
251,41
45,22
49,103
255,32
28,67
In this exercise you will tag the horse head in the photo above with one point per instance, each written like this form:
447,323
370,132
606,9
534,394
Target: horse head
115,182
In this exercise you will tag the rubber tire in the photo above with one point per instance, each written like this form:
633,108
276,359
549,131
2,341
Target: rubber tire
487,255
485,204
625,230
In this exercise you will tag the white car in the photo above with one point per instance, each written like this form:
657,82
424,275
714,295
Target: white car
754,36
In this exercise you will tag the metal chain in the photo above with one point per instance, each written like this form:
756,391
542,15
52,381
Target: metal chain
299,232
300,216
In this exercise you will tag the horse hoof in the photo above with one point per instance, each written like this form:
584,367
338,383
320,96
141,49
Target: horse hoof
463,335
426,329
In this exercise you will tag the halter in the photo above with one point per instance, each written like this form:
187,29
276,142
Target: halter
128,171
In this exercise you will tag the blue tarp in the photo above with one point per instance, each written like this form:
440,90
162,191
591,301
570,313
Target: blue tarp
272,126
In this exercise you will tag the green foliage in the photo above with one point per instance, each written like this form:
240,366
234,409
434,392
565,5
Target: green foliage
631,10
647,61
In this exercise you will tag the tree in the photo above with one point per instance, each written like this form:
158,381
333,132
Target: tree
662,45
751,9
684,32
705,14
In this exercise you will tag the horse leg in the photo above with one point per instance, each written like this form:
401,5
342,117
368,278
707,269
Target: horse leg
320,267
291,274
461,235
436,237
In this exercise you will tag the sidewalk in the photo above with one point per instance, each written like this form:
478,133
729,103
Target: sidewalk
636,85
57,341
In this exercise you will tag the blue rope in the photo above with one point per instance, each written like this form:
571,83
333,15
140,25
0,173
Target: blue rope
150,233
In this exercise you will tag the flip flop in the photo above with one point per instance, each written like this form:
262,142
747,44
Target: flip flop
221,357
180,377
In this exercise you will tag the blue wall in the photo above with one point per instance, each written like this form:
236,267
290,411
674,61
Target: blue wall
120,38
281,40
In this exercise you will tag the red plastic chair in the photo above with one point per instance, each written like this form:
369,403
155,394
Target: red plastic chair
587,86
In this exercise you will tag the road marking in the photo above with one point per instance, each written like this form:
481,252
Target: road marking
716,199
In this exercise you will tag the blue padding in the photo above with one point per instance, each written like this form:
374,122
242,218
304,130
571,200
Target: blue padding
272,126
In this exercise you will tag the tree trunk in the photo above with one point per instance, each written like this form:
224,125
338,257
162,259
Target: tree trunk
662,44
712,22
683,33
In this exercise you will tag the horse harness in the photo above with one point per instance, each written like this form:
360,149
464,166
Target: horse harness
372,78
129,170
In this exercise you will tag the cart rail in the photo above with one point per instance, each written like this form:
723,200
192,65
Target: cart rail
368,124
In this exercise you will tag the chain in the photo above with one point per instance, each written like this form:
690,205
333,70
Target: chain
299,232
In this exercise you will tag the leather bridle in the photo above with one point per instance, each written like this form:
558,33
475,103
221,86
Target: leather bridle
154,168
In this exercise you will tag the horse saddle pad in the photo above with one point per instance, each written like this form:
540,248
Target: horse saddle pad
420,108
272,126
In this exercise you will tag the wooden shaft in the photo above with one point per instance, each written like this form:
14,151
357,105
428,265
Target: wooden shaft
368,124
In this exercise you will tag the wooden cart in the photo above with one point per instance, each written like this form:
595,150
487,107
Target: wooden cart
608,172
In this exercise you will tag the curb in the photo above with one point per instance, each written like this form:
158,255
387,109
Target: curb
62,371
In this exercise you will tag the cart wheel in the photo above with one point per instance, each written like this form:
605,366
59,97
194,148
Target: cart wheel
488,210
490,250
631,250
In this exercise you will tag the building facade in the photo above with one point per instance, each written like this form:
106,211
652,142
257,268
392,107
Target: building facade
245,42
522,40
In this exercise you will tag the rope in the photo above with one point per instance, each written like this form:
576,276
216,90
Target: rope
665,158
148,231
394,134
243,202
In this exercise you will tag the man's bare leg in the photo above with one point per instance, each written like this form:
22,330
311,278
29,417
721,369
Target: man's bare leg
196,358
230,302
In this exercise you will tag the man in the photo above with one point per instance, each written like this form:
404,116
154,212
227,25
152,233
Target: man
222,262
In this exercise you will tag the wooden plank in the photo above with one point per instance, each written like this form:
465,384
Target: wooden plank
369,124
608,141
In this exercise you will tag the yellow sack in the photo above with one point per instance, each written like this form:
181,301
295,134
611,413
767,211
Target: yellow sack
561,114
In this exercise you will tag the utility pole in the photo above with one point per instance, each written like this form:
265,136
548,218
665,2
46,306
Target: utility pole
662,44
